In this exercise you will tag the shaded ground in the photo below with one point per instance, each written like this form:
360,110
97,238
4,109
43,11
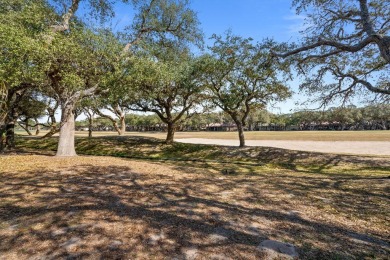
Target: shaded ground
339,147
244,158
328,206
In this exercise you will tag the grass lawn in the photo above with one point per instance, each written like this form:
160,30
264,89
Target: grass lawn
134,197
261,135
287,135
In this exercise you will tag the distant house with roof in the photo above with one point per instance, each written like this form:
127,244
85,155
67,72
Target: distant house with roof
221,127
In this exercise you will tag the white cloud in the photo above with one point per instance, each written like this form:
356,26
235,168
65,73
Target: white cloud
297,23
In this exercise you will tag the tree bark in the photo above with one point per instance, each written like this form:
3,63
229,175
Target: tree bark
66,145
114,122
240,128
241,137
10,122
90,120
171,133
25,127
122,129
38,127
10,133
2,138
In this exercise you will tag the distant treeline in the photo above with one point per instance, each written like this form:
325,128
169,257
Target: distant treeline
375,117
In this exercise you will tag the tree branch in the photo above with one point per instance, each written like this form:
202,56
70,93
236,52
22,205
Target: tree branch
64,26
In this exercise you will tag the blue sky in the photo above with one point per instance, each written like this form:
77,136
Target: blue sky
249,18
257,19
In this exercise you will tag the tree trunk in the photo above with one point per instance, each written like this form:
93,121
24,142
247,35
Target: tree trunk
53,122
25,127
10,133
90,120
66,145
116,127
122,129
10,120
53,131
383,124
2,137
240,130
171,133
37,127
12,116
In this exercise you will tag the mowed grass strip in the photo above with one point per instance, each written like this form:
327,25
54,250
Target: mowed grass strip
294,135
375,135
138,147
105,207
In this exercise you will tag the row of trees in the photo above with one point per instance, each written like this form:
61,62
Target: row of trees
346,118
339,118
81,69
56,56
53,59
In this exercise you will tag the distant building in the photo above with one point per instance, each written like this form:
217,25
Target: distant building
221,127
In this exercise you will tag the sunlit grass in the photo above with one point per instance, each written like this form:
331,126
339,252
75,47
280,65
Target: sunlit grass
376,135
154,149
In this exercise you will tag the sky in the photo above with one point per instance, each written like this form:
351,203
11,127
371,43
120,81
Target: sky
249,18
257,19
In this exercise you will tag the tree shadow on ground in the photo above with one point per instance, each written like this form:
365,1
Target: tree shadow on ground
114,212
154,149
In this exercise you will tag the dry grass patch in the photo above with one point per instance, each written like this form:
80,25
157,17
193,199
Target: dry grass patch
294,135
104,207
376,135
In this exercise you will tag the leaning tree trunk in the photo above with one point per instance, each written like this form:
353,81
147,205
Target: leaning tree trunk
25,127
66,145
171,133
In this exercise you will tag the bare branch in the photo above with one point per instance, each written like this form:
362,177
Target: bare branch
339,46
64,26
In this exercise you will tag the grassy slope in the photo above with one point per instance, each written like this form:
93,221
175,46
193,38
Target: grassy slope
153,149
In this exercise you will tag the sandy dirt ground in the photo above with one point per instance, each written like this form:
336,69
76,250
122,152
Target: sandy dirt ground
338,147
90,207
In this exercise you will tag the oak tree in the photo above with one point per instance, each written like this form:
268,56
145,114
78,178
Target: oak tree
166,82
345,49
154,19
241,76
22,24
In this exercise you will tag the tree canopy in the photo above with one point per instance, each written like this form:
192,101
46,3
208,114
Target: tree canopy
165,81
47,45
64,55
345,49
241,76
